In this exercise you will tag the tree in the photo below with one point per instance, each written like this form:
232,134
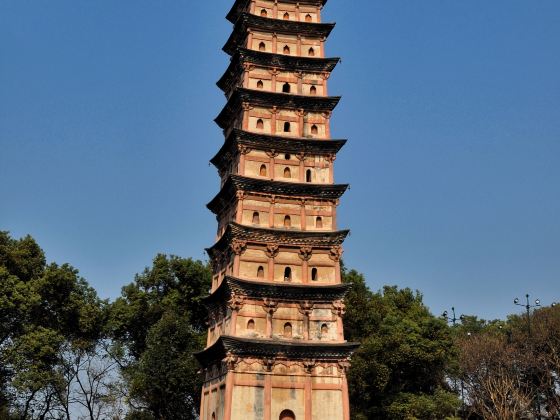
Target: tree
160,322
45,310
399,372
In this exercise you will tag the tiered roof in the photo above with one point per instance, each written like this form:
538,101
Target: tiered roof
237,183
279,144
248,21
291,350
270,99
294,238
276,291
243,5
269,60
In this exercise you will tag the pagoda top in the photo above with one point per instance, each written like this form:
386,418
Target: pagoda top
273,143
290,189
275,291
241,5
286,349
295,238
248,21
269,60
271,99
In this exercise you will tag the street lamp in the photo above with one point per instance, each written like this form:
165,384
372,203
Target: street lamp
453,319
528,308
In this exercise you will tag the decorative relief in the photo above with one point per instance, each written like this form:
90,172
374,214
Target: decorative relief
246,106
338,308
272,250
268,364
236,302
305,253
238,247
272,153
330,158
231,361
240,195
336,253
244,150
301,156
309,366
270,306
301,112
306,308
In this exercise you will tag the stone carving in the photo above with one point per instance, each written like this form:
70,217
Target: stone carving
336,253
238,247
305,253
272,250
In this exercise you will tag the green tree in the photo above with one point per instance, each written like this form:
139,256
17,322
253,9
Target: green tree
160,322
44,309
399,372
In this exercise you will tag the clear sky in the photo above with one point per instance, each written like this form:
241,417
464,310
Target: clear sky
451,107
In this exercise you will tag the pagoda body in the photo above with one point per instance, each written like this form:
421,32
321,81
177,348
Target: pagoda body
276,348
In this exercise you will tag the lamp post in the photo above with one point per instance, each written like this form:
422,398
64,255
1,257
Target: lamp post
453,320
528,308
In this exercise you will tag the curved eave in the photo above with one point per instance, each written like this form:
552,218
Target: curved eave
248,21
292,350
277,143
242,5
271,99
269,60
276,291
287,189
295,238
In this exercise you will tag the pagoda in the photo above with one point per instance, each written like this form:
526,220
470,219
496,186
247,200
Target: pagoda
276,347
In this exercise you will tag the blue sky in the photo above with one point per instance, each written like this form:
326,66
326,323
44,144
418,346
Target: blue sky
452,109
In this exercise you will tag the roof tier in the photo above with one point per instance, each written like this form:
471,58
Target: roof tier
271,99
275,291
279,144
242,5
295,238
237,183
248,21
291,350
269,60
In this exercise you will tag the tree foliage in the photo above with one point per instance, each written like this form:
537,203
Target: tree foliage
160,322
399,372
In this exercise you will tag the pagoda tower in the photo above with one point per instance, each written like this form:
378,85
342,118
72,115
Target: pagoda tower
276,347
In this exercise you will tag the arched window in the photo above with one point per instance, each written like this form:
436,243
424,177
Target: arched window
286,88
314,129
287,173
287,274
251,325
286,415
262,46
324,329
260,124
260,84
287,156
260,272
262,171
311,52
314,274
256,218
319,222
287,127
308,176
308,18
264,13
287,330
287,221
286,50
286,16
313,90
214,416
